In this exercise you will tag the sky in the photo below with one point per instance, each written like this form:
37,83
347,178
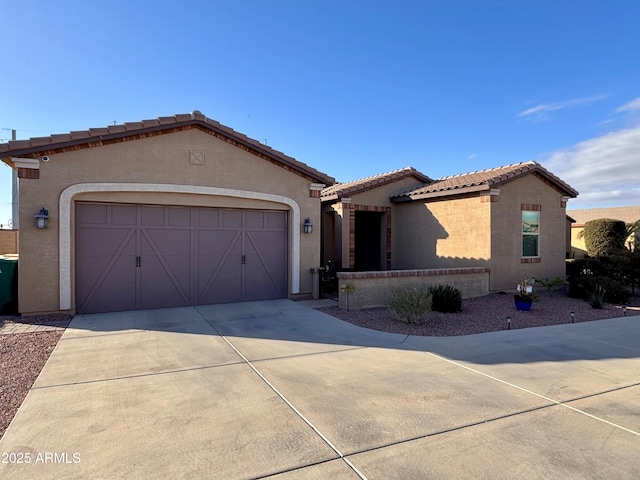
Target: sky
353,88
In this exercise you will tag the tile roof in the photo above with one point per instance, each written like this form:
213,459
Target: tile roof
483,180
93,137
357,186
626,214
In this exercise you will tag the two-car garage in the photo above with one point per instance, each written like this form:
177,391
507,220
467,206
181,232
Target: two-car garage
165,212
146,256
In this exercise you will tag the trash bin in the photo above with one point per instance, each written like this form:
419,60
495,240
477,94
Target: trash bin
8,284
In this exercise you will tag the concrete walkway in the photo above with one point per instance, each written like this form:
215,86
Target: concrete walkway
279,390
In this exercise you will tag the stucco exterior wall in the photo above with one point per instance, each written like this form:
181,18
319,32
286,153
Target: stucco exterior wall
163,159
375,289
578,247
442,234
507,267
8,241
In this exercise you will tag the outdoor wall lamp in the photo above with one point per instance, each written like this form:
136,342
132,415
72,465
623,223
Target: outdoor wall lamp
307,227
42,218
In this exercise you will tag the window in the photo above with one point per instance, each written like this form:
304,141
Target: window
530,233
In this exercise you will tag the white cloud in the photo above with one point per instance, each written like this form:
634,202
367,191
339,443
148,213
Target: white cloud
605,170
473,155
632,106
540,111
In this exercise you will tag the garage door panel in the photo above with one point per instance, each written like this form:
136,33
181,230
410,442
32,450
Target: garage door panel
177,242
208,217
95,242
174,256
270,243
254,220
179,216
123,214
90,214
157,293
276,220
212,242
230,219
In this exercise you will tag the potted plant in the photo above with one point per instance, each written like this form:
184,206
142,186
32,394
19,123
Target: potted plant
525,295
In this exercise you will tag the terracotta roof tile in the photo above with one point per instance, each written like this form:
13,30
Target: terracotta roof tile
350,188
87,138
117,129
80,134
60,137
483,180
38,141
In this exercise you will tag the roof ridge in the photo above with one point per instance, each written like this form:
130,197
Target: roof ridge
487,170
89,136
399,170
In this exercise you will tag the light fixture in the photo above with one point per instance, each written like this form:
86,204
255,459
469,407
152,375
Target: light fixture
508,323
573,317
42,218
307,227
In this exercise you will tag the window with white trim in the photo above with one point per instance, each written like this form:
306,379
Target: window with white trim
530,233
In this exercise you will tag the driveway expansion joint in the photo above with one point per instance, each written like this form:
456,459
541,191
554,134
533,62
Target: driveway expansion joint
290,405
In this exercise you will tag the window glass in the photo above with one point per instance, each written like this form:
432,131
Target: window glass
530,233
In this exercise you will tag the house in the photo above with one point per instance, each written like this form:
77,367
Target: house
628,214
505,222
182,210
168,212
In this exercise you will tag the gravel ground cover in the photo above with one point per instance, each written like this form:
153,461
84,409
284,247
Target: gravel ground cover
23,355
486,314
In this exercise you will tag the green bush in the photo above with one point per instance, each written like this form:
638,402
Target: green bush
445,298
606,271
411,304
604,236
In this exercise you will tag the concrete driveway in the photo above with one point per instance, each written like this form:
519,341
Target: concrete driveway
278,390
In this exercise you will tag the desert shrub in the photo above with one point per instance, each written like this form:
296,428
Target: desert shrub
604,236
595,289
617,292
410,304
445,298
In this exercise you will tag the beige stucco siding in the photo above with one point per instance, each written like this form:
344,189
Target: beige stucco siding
506,218
163,159
442,234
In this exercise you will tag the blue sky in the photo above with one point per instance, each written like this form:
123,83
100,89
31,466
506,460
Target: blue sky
350,88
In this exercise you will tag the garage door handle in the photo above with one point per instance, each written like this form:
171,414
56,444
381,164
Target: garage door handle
244,259
138,263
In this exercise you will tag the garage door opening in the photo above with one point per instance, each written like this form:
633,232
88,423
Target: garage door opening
132,257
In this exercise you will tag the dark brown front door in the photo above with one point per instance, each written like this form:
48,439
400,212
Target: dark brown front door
139,257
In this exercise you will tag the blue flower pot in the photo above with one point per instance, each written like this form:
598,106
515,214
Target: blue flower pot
523,305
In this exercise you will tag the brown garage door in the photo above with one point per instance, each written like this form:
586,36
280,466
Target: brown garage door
137,257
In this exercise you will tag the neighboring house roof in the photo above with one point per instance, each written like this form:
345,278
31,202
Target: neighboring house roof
340,190
626,214
95,137
484,180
